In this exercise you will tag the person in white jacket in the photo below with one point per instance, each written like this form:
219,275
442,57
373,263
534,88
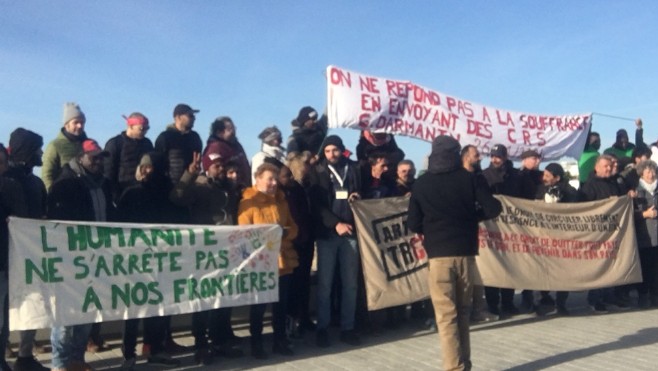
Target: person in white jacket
271,150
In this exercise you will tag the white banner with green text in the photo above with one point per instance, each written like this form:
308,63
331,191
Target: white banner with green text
67,273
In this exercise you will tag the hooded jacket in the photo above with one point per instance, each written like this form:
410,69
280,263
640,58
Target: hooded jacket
257,207
78,195
58,153
268,153
210,201
25,146
178,148
305,139
233,152
447,202
12,203
148,201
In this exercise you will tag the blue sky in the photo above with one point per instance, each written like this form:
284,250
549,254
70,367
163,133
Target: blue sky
261,61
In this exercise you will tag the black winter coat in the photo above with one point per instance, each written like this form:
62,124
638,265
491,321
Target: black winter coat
446,208
178,149
121,165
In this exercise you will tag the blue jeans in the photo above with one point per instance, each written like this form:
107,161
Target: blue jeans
346,251
69,344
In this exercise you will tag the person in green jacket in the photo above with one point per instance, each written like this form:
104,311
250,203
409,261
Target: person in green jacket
587,160
66,145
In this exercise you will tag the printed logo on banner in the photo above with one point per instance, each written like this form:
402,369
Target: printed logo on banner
399,255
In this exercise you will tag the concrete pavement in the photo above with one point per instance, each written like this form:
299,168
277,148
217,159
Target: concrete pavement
582,341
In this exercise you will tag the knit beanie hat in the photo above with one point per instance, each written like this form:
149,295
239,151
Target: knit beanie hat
71,111
305,114
333,140
211,157
269,134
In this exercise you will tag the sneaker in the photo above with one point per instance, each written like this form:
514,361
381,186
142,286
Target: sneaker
350,337
28,364
128,364
203,356
163,359
322,338
599,308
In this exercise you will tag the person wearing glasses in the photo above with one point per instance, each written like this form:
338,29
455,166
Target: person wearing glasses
126,149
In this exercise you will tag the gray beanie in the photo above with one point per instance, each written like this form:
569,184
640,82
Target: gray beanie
71,111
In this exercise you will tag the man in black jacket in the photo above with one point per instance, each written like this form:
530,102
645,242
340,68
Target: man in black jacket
446,204
179,142
126,149
335,182
25,154
600,186
11,203
504,179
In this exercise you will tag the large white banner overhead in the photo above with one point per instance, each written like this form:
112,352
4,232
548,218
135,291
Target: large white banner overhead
66,273
359,101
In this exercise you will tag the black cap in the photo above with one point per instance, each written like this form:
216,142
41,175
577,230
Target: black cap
333,140
184,109
498,150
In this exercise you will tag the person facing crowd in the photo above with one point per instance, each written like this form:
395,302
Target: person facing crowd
79,194
66,145
335,181
25,155
308,133
223,140
179,142
444,214
270,150
265,204
126,150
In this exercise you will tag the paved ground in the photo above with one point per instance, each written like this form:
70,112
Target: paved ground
581,341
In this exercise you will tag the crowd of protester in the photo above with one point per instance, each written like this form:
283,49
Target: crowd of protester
306,187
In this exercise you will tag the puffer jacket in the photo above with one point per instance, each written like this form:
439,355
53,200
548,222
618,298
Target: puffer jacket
57,154
259,208
179,149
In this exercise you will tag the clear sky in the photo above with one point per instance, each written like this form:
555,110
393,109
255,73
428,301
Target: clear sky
261,61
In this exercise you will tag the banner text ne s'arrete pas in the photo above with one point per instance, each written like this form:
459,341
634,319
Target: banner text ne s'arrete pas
67,273
398,107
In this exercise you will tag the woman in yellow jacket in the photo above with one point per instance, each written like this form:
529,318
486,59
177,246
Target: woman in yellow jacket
265,204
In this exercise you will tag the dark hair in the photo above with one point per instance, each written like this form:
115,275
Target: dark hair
219,124
640,151
374,156
465,150
4,151
407,162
